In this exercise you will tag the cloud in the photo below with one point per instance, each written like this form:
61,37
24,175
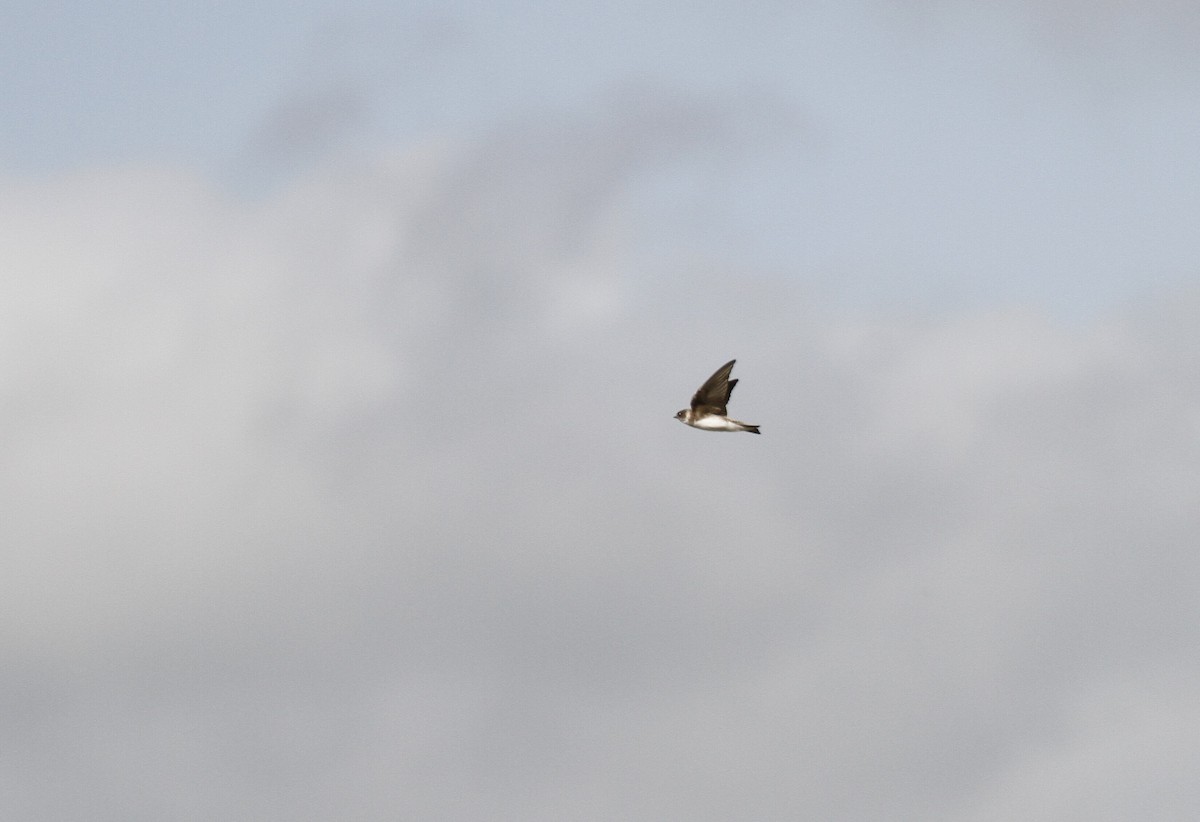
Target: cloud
363,500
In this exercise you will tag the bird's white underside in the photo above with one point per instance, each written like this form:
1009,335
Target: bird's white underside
714,423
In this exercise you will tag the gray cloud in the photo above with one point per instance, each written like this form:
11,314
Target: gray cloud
364,501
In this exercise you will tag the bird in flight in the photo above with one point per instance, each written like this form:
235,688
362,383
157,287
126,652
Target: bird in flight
708,406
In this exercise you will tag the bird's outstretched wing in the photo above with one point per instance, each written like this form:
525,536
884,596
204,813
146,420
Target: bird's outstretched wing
713,396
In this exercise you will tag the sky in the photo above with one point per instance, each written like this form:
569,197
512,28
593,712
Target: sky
341,345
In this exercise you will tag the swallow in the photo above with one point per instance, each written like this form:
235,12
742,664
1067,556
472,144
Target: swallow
708,405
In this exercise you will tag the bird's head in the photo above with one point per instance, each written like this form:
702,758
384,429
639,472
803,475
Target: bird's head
682,415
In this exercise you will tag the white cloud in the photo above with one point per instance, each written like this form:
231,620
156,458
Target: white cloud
363,500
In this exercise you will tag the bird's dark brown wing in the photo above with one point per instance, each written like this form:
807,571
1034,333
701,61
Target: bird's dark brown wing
713,396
